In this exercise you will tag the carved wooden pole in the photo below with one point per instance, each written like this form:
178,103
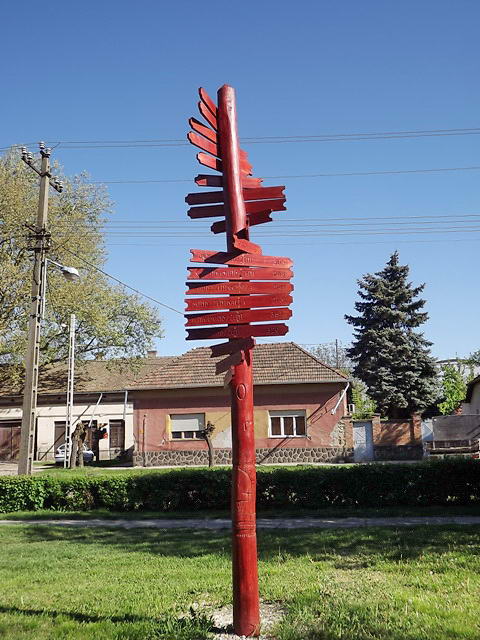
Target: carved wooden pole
246,612
244,202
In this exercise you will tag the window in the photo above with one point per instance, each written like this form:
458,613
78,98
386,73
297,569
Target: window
287,423
186,426
59,433
117,434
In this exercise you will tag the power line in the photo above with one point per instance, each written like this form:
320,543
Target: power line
294,177
360,218
93,266
334,137
291,232
312,244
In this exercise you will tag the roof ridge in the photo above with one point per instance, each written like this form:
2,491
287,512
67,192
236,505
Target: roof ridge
327,366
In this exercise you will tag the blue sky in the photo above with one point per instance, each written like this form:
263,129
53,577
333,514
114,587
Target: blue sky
130,71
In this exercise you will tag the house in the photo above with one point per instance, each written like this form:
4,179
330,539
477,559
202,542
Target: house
101,399
155,414
458,434
300,405
471,406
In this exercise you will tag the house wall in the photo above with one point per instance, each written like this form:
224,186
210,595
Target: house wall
395,439
49,414
327,436
473,407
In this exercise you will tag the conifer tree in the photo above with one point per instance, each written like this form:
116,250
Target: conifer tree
390,357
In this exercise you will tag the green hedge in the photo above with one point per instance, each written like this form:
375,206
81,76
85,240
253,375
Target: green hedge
454,481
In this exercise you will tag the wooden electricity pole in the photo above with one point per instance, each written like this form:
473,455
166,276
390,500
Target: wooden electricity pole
41,239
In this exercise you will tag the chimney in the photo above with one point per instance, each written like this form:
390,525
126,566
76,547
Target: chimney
152,353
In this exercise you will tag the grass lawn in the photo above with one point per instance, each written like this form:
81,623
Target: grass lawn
284,512
364,584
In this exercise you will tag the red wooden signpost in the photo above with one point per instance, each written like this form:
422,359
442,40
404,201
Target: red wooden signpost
257,291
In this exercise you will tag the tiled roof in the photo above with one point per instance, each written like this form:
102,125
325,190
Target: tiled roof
90,376
276,363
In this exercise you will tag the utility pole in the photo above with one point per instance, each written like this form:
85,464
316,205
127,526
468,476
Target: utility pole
41,245
337,359
71,374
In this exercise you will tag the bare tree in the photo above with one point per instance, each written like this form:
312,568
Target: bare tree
78,440
206,433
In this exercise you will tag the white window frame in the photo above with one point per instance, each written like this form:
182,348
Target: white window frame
288,413
186,416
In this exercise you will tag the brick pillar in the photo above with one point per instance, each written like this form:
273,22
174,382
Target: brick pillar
347,420
376,427
416,428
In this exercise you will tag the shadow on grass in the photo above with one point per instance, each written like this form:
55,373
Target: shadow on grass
74,615
365,545
194,626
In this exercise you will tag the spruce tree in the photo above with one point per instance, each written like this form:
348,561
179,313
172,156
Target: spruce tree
390,357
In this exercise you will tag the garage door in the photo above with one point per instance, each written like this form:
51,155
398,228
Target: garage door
9,440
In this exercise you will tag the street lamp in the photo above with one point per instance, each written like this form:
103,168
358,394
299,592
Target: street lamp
32,360
69,273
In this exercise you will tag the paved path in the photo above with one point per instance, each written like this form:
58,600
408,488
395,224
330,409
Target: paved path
262,523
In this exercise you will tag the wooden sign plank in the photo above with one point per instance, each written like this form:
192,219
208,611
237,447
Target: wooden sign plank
237,317
231,347
203,143
209,161
246,167
219,227
214,211
238,302
228,378
237,331
237,288
210,197
263,193
201,128
250,183
263,205
238,273
207,101
208,115
231,361
242,259
260,217
205,197
244,159
205,180
245,245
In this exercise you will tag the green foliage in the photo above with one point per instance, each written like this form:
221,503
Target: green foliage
196,625
454,389
22,492
474,358
454,481
110,322
390,357
364,405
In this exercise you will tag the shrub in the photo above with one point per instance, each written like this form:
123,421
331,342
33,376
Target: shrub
439,482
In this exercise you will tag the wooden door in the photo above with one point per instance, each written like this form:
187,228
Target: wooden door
10,440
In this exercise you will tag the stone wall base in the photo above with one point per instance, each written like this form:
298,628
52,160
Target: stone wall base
398,452
298,455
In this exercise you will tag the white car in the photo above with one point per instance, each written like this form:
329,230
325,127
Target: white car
60,454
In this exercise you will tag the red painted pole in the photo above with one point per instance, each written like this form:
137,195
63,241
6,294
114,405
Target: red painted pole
246,615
